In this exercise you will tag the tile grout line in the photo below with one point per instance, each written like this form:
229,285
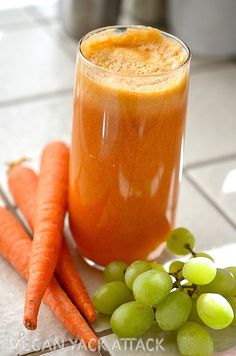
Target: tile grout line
105,332
6,201
209,199
24,25
211,66
54,35
58,38
35,98
30,11
13,210
211,161
50,349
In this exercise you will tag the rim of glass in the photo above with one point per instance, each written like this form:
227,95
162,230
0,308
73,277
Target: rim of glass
122,27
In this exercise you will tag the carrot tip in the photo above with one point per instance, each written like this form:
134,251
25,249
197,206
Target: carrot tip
90,312
93,344
30,324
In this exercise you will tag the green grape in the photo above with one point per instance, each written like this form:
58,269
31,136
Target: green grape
110,296
176,268
233,271
199,270
179,239
132,319
151,287
134,270
193,316
232,302
157,266
223,283
214,310
203,254
115,271
194,340
233,291
173,311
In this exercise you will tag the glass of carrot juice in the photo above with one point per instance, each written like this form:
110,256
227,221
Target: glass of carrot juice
130,101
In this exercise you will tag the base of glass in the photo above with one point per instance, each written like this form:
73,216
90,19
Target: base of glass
154,256
93,264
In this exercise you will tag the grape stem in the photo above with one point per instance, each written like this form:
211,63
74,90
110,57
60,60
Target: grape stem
175,275
190,289
191,292
187,246
178,285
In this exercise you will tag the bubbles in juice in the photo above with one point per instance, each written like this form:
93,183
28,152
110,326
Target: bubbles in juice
134,52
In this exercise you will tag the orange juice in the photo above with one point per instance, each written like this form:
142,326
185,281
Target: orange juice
129,116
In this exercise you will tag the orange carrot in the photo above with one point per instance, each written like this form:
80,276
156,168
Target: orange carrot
22,183
50,210
71,282
16,247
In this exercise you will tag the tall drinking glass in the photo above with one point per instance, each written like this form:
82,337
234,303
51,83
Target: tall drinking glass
127,142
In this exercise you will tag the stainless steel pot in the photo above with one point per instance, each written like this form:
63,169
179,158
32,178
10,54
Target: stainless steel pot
147,12
208,26
82,16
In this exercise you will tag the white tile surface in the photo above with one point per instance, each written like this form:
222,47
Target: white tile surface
209,227
26,128
219,182
211,124
31,63
74,350
14,17
197,62
69,44
49,9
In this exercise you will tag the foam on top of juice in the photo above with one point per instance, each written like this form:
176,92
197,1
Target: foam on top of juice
135,51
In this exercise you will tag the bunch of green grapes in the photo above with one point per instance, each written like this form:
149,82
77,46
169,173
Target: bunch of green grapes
186,298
